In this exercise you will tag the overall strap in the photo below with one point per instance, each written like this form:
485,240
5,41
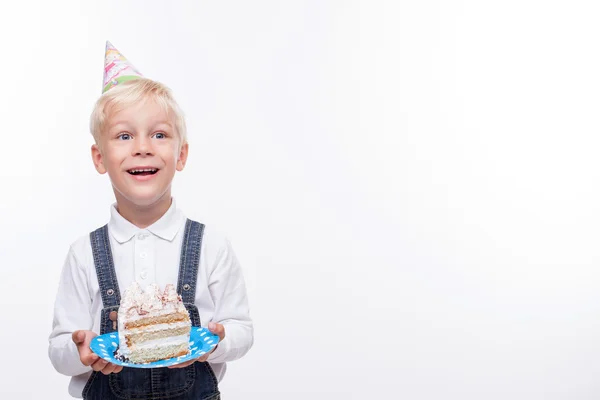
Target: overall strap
190,260
105,268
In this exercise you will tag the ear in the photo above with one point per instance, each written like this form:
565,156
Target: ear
97,159
183,154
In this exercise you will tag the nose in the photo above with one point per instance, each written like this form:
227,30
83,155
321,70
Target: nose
143,146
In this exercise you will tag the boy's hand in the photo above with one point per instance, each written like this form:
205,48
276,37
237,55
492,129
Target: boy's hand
215,328
88,358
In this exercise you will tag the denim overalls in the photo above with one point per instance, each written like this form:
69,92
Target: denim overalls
197,381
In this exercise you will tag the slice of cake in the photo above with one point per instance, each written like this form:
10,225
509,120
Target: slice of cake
153,325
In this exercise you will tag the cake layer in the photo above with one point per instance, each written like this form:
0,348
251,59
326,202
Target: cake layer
161,319
144,336
155,353
161,342
168,346
158,327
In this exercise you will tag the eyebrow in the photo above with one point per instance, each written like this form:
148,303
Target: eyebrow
111,126
126,123
163,123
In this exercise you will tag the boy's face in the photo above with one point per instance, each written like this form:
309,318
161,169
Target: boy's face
140,150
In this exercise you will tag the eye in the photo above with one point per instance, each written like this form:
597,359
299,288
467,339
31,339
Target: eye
160,135
124,136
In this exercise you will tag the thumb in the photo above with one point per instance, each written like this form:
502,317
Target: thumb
217,329
78,337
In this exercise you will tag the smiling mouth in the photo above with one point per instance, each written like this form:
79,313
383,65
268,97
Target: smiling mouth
144,171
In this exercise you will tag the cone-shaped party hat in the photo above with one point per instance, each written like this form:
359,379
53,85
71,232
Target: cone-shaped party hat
117,69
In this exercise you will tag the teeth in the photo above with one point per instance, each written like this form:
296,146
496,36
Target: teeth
143,170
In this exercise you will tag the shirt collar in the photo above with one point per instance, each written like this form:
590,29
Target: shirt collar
165,228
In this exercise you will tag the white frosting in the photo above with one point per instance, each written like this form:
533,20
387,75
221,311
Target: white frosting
155,344
163,342
151,300
140,303
158,327
171,294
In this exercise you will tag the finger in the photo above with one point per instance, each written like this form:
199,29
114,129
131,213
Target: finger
99,365
217,329
118,369
183,364
109,369
203,358
89,358
78,337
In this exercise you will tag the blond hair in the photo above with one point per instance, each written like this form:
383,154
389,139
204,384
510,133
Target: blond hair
132,92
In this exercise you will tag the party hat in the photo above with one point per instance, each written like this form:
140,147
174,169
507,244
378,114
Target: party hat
117,69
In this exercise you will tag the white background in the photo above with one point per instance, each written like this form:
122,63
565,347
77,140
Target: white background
412,187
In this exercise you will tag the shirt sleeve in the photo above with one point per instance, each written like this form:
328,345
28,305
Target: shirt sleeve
228,290
71,312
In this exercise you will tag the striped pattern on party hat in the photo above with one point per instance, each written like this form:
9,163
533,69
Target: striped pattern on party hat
117,69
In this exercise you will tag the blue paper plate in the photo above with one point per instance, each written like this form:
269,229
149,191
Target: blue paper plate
201,342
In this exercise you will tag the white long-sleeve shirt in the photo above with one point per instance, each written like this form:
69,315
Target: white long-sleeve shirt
149,255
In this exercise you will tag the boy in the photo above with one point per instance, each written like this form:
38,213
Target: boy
140,141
